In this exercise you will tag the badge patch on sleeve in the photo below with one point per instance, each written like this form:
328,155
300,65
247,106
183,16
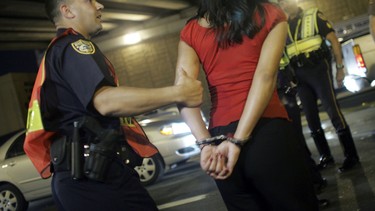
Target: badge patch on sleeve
321,16
83,47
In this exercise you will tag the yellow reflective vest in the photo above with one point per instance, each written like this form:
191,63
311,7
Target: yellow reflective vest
310,38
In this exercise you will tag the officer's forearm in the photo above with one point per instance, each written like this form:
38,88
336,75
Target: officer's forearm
130,101
336,47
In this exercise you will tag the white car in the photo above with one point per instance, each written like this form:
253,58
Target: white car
19,180
167,131
21,183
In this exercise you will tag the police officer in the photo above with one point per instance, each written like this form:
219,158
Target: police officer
286,89
310,57
75,81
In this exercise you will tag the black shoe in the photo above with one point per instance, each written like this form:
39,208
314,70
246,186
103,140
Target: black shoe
325,160
323,203
348,164
319,186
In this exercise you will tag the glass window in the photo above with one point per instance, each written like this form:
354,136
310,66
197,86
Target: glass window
16,149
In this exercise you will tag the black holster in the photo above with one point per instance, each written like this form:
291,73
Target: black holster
104,145
60,154
101,155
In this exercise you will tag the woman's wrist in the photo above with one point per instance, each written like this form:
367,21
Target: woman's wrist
238,142
216,140
203,146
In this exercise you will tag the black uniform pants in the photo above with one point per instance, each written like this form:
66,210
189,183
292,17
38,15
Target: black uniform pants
315,82
294,113
121,191
271,172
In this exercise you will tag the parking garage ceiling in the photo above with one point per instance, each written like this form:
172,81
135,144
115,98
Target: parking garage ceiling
24,25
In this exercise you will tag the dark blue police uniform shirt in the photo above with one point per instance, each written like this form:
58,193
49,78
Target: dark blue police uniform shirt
75,68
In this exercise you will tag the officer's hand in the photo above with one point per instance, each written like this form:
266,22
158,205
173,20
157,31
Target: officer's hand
340,75
190,90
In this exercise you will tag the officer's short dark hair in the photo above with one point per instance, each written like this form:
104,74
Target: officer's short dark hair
52,9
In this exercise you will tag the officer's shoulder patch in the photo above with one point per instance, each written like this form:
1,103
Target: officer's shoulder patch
83,47
321,16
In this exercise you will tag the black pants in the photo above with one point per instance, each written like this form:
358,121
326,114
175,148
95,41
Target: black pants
315,82
271,173
294,113
122,190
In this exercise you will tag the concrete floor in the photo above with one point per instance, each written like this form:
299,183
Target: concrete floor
354,190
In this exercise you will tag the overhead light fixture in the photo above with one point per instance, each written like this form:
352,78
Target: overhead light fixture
132,38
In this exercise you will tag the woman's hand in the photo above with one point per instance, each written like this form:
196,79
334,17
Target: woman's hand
229,154
212,162
219,161
207,155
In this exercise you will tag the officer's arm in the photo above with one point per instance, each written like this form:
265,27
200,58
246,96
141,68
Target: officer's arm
336,47
130,101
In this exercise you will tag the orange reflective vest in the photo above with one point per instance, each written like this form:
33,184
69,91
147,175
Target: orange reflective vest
37,142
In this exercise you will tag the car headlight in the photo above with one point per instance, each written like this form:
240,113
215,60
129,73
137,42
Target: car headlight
175,129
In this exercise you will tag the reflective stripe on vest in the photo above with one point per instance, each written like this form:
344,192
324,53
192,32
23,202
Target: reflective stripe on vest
304,46
284,61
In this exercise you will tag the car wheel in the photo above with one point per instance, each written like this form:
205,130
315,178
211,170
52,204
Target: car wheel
11,199
151,170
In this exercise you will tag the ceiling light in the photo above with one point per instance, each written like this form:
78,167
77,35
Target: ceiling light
132,38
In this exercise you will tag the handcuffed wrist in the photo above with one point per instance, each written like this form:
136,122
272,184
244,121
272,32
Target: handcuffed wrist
216,140
203,146
238,142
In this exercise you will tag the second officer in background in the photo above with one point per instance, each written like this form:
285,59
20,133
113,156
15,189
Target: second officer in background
310,57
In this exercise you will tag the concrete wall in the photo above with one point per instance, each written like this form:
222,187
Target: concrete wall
338,10
15,92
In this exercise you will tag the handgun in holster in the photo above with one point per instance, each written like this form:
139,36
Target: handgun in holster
102,149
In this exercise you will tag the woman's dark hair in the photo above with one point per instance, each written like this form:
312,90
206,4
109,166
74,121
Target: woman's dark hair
231,19
52,9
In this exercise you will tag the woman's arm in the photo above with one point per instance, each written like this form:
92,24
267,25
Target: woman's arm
264,81
258,98
188,61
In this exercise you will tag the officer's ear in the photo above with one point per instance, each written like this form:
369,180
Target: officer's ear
66,11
